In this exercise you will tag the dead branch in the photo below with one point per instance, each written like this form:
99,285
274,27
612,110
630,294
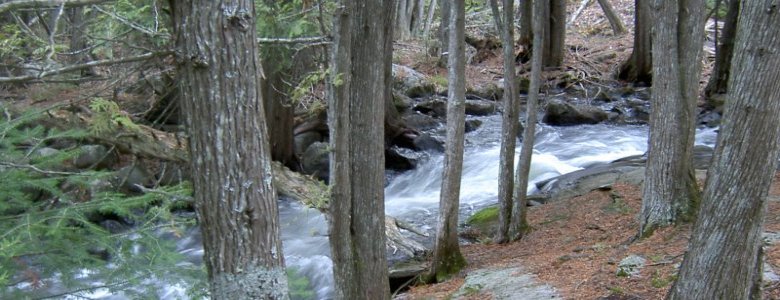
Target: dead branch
95,63
22,4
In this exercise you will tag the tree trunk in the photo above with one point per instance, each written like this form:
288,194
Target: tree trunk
670,193
444,32
555,35
525,31
447,259
78,43
509,124
280,116
718,83
639,66
519,224
357,99
614,20
431,12
723,260
234,198
402,20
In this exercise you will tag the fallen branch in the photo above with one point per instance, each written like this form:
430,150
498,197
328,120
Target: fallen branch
21,4
95,63
319,40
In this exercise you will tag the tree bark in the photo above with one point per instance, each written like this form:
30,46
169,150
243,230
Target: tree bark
429,20
447,258
234,196
357,99
519,225
280,116
509,124
444,32
670,193
639,66
555,35
614,20
723,260
525,30
718,83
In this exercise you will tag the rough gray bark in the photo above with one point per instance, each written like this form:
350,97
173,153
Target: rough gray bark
723,260
639,66
234,197
525,30
429,20
519,225
444,32
447,259
280,116
718,83
509,124
555,35
670,193
78,43
614,20
357,99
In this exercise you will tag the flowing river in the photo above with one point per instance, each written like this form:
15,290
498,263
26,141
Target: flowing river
413,196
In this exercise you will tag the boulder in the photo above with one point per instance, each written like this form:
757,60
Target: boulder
489,91
630,266
420,121
131,178
480,107
171,173
402,102
472,125
427,142
434,107
412,83
303,140
561,113
94,156
315,160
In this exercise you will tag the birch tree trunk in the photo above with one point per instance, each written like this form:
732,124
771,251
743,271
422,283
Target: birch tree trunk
723,260
639,66
509,124
234,198
358,94
447,259
519,225
670,193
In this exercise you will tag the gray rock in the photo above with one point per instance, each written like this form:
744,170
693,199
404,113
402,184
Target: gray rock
420,121
129,178
561,113
316,161
505,283
412,83
172,174
472,125
427,142
480,107
46,152
96,156
402,102
489,91
434,107
630,266
303,140
583,181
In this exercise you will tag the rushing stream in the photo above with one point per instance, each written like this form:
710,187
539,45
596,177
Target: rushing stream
413,196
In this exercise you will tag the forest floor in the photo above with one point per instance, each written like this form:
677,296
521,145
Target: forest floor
576,244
